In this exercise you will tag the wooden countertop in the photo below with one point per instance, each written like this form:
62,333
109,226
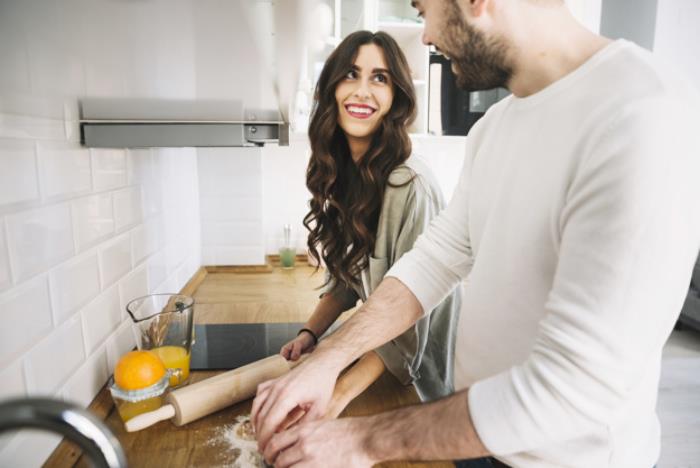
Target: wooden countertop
222,297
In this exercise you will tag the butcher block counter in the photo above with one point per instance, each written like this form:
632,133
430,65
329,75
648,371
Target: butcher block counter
225,295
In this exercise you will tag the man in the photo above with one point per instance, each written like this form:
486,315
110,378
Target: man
576,223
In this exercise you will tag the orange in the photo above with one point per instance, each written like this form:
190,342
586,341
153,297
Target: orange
138,369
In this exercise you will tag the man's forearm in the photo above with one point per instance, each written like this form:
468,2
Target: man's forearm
388,312
442,430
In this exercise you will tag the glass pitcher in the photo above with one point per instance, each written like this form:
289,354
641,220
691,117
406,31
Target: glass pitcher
163,324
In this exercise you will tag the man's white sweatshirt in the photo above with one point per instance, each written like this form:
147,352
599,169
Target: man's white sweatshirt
576,223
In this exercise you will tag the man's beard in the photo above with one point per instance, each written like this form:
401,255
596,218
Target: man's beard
480,62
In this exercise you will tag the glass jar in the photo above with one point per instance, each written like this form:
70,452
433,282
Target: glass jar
131,403
164,325
287,252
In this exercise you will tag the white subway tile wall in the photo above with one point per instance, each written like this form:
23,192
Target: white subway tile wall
28,448
26,313
12,379
127,208
119,343
82,232
239,255
39,239
145,239
133,286
108,168
73,284
100,318
231,204
157,271
46,367
241,234
139,166
152,197
64,167
18,181
285,196
82,387
167,285
94,219
115,259
173,255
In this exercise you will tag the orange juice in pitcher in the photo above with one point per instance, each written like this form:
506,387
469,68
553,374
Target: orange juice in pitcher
164,325
175,357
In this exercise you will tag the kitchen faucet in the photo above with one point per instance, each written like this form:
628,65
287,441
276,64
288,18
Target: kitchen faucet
75,423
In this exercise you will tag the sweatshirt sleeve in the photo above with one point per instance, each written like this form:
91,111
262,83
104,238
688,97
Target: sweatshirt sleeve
629,235
442,255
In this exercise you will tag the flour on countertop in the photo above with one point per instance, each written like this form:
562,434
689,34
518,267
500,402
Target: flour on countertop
239,439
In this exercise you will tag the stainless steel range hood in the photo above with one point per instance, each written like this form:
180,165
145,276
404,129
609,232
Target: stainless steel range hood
217,74
138,123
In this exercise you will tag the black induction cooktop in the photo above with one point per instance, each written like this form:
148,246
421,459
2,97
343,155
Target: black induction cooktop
228,346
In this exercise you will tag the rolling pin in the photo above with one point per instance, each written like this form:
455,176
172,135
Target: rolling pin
200,399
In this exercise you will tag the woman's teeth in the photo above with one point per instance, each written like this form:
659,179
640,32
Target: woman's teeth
360,111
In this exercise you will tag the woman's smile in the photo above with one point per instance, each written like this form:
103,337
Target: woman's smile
360,111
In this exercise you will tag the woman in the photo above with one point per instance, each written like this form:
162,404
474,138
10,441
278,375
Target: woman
370,201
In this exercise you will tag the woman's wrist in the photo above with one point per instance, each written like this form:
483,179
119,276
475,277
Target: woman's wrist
310,333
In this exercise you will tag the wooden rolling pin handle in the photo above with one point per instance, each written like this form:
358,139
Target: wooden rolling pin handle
302,358
207,396
142,421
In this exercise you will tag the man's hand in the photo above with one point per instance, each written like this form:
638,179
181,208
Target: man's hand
444,428
308,387
334,443
391,310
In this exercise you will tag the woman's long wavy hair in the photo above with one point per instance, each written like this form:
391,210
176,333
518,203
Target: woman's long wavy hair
347,196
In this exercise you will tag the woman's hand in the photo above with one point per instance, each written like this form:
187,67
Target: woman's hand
304,343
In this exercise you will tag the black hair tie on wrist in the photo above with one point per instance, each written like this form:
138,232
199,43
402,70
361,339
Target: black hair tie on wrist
313,335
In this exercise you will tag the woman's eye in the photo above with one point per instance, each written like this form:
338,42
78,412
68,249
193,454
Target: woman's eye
351,75
381,78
